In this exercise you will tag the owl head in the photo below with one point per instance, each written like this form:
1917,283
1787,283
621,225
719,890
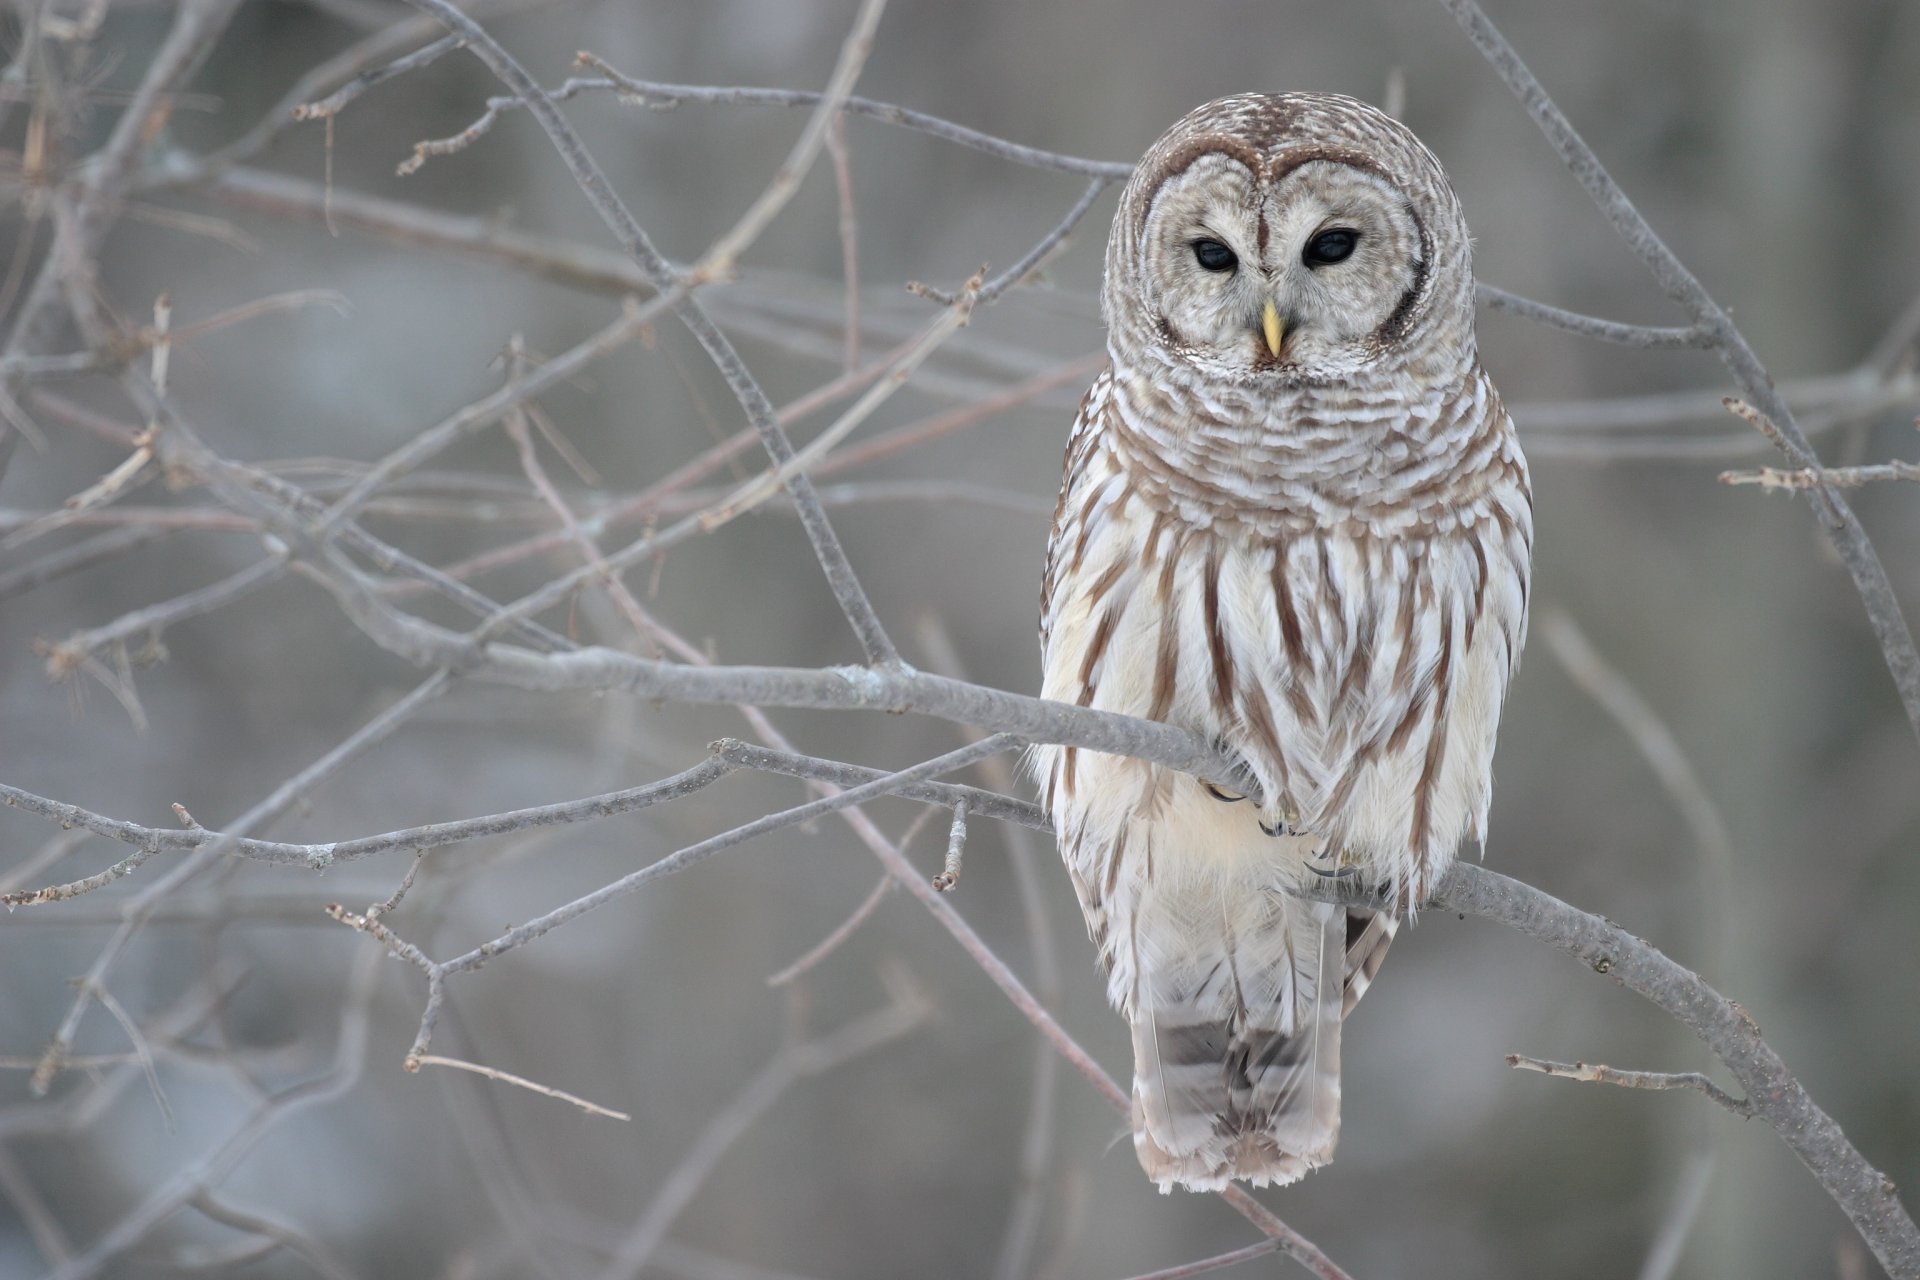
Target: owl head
1288,240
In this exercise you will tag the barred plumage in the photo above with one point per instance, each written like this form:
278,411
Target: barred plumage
1295,519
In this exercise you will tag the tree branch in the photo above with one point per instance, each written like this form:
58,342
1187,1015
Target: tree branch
1755,383
1864,1194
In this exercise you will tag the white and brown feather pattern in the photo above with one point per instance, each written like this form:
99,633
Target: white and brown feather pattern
1319,560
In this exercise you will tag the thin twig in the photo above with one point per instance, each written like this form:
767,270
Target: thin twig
841,579
719,260
727,1126
1773,479
416,1061
65,655
1049,244
682,859
1599,1074
152,840
849,235
1630,335
334,103
658,94
134,913
949,876
845,929
1219,1262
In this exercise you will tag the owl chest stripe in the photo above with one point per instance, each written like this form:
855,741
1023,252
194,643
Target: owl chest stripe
1217,647
1166,658
1423,792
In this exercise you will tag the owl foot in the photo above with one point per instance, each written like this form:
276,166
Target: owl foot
1246,782
1333,870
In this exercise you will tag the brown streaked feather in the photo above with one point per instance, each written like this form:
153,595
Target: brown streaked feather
1423,790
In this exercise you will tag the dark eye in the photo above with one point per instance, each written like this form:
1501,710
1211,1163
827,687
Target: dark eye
1335,245
1214,256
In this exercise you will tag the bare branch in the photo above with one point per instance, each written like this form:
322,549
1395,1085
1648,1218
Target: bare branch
660,95
1864,1194
613,211
1772,479
63,656
949,876
1598,1074
276,1233
633,320
1837,518
134,913
73,888
320,856
833,941
1219,1262
198,1177
794,1062
416,1061
1048,245
694,853
336,102
1628,335
719,260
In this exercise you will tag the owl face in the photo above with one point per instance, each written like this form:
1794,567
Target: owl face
1287,240
1293,277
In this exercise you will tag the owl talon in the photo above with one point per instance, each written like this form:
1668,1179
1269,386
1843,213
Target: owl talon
1222,794
1276,829
1339,873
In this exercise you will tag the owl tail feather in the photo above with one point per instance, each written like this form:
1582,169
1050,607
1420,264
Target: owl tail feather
1237,1061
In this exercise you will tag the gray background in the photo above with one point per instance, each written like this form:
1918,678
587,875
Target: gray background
1774,143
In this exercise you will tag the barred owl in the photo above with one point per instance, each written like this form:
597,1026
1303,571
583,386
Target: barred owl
1296,521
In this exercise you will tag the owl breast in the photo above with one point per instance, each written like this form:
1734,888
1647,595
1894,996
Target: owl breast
1357,667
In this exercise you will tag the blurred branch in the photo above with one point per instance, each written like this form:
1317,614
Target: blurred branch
336,102
65,655
1219,1262
507,1077
199,1178
1029,1198
99,194
353,64
133,914
1713,842
795,1061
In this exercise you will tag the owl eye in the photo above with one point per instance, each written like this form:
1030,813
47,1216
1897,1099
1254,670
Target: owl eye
1214,256
1335,245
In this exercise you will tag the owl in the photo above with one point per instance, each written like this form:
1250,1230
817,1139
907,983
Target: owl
1296,521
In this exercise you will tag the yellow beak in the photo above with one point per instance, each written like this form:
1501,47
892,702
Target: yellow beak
1271,326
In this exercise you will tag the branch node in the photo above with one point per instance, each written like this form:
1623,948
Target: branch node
956,849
